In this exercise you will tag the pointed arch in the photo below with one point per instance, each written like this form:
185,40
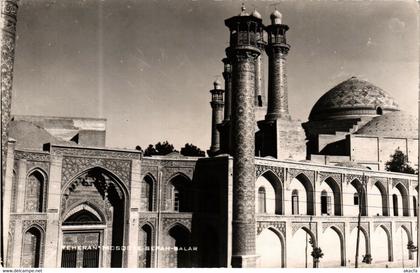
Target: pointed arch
389,242
31,249
146,242
367,239
180,193
404,195
98,169
278,187
342,246
102,184
83,214
148,188
384,197
336,189
266,249
409,238
35,190
361,191
180,237
309,190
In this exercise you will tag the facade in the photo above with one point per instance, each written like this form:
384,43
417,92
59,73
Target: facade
274,193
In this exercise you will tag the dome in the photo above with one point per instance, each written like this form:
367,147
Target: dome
353,98
394,124
275,17
217,84
256,14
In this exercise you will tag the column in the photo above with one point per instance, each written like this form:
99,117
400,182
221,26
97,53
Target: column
8,17
243,149
52,245
277,49
217,106
133,228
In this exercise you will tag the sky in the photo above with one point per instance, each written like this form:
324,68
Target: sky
147,66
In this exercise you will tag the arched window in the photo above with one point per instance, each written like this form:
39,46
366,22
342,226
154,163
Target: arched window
395,204
295,202
415,206
34,192
31,248
379,111
325,203
262,200
356,199
147,193
181,194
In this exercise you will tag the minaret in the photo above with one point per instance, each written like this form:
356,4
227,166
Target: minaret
217,116
8,9
245,33
277,50
279,136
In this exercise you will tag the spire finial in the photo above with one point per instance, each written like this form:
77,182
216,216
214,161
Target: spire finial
243,10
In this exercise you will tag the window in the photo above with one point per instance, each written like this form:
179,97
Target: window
325,203
415,206
356,199
176,199
395,204
147,193
90,258
69,258
295,202
262,200
260,104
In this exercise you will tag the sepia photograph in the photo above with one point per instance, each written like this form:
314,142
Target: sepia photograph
209,134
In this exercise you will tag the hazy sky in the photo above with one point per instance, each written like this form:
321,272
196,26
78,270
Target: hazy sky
148,66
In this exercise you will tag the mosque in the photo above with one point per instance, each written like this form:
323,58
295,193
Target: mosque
273,192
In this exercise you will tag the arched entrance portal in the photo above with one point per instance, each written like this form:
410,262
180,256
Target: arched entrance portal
94,220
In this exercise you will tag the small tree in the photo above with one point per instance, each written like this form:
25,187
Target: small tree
399,163
164,148
150,150
160,148
191,150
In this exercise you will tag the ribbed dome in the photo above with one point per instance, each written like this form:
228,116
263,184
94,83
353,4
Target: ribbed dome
353,98
256,14
395,124
276,17
217,84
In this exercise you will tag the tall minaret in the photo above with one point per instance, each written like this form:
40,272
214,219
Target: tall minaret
245,32
8,19
217,116
277,50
